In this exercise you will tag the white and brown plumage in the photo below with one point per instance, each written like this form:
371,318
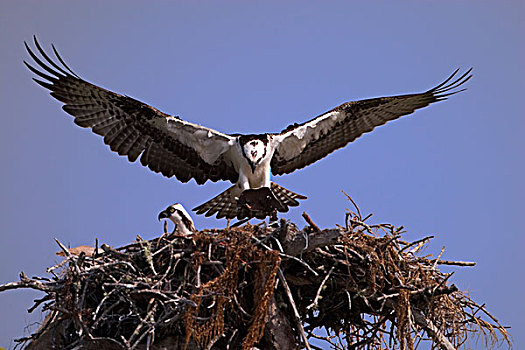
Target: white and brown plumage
180,218
174,147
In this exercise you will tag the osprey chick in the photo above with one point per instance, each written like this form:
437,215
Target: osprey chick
180,217
174,147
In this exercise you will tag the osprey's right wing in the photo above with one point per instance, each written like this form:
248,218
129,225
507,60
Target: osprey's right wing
303,144
165,143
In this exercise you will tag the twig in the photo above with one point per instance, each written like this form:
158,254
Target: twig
314,303
442,282
279,245
146,250
198,276
64,249
100,305
367,217
437,259
25,282
57,266
432,330
300,261
39,301
392,239
454,263
136,337
349,300
103,266
294,308
327,339
422,240
355,205
367,227
310,222
116,254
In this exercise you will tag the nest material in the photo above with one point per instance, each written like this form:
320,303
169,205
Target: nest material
354,287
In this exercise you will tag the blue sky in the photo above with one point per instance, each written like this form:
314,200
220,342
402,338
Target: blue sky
454,170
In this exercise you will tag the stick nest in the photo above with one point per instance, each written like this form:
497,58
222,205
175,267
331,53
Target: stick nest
358,286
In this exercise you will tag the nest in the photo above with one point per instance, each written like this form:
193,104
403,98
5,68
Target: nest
354,287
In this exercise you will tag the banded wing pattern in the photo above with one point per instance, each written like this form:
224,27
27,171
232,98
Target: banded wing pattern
165,144
303,144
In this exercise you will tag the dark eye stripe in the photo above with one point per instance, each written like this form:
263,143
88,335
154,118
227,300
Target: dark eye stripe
185,220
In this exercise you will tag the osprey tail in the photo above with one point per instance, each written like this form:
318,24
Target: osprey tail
226,206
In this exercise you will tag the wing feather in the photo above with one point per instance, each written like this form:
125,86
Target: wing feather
303,144
168,144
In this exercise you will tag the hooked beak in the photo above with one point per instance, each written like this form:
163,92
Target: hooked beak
163,215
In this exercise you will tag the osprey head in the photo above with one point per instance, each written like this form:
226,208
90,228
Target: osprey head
180,217
254,148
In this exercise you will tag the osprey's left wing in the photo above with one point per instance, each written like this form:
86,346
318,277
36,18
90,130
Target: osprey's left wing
166,144
304,144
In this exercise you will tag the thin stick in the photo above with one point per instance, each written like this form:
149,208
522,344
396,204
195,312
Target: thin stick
361,223
294,307
314,303
432,331
310,222
25,282
455,263
147,321
416,242
64,249
300,261
439,256
355,205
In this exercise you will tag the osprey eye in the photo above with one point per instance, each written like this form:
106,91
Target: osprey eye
172,210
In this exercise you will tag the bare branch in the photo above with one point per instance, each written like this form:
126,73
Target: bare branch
294,308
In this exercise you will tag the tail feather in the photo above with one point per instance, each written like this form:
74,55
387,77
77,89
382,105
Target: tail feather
226,210
225,204
287,197
218,206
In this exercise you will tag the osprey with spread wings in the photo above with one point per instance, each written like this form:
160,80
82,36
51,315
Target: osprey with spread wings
175,147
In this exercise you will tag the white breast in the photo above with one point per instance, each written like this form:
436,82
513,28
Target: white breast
260,177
